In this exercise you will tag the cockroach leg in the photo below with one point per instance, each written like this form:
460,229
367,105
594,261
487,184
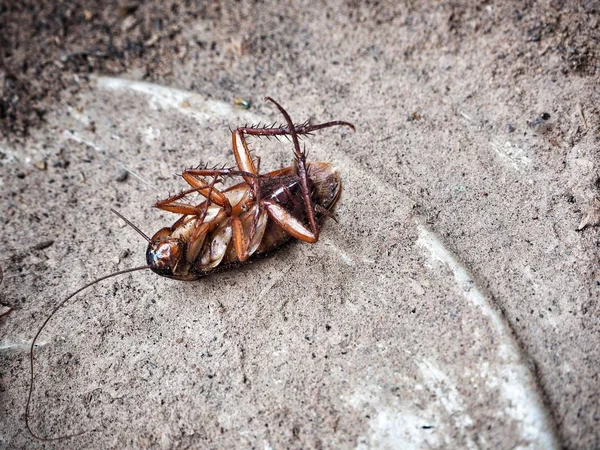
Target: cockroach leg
170,204
246,175
221,172
289,223
201,229
243,157
246,242
301,130
324,211
239,241
301,168
180,208
207,190
196,241
244,161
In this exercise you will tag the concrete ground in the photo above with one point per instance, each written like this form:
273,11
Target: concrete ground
454,304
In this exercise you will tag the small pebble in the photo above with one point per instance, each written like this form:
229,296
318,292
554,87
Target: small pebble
413,116
41,165
44,244
242,103
122,176
539,120
127,7
129,23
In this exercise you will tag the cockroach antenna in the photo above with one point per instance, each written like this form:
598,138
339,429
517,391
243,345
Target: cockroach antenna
60,305
128,222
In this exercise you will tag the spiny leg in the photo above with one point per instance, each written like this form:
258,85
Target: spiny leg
233,212
242,152
302,173
170,204
221,172
247,243
288,223
207,190
235,209
201,229
301,130
249,172
243,158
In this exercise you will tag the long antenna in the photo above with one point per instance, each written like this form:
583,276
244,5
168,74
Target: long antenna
97,280
128,222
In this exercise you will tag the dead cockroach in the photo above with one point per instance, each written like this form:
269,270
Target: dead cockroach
229,227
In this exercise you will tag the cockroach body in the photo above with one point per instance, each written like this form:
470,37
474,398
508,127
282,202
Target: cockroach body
250,218
229,227
197,245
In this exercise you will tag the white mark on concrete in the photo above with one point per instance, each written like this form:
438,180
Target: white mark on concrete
151,135
416,287
448,396
10,154
75,137
22,345
516,383
511,154
165,440
346,258
466,116
396,427
391,429
187,103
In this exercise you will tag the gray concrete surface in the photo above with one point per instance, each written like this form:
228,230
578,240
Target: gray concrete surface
454,305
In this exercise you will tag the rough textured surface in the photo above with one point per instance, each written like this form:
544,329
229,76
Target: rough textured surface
471,208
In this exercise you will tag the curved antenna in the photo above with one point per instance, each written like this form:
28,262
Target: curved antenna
128,222
97,280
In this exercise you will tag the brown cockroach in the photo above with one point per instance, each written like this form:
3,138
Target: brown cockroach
250,219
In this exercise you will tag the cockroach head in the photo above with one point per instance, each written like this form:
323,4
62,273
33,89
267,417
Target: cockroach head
165,253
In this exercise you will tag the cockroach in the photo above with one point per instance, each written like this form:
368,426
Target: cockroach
231,226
